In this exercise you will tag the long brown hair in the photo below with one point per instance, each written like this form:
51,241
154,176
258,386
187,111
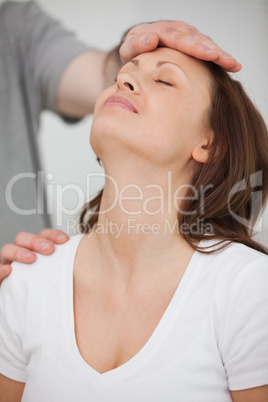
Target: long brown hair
235,176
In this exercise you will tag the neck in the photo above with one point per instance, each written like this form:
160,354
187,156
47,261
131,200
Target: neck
138,223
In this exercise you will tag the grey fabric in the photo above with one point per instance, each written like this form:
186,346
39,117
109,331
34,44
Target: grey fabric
34,51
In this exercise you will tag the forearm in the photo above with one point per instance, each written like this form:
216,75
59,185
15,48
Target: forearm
84,79
91,72
11,391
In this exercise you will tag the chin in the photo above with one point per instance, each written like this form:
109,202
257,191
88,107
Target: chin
106,131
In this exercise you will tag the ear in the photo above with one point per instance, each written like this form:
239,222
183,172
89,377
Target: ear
202,151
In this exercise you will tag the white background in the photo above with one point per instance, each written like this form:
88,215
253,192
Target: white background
239,26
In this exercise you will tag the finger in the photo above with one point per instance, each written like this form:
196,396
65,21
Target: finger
235,68
135,44
183,37
195,45
141,43
224,59
54,235
202,51
4,271
10,253
35,243
228,63
174,34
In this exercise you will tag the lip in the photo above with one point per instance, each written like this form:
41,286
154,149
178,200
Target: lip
120,101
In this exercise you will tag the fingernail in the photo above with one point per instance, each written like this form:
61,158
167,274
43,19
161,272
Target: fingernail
44,246
26,254
227,56
147,39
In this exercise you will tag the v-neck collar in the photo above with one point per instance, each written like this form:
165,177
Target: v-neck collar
154,342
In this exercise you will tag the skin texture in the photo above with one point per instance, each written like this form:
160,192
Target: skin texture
138,143
11,391
259,394
167,91
145,84
83,81
176,35
78,91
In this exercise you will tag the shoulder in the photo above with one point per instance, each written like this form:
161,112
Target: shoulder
245,261
241,315
45,270
18,20
247,267
235,257
235,267
14,9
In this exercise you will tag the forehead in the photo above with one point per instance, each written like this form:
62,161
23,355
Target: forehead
195,69
175,56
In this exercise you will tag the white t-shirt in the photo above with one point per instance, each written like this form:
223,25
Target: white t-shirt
213,336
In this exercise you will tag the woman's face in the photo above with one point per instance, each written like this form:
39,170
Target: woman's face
157,109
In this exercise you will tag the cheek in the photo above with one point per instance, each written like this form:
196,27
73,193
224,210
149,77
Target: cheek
102,98
173,132
170,124
162,142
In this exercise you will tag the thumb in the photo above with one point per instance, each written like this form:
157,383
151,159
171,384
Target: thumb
4,271
135,44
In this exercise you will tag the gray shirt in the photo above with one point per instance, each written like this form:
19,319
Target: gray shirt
34,51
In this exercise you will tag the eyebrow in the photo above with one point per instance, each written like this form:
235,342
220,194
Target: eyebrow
159,64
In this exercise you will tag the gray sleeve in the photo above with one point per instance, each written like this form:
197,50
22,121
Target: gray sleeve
43,48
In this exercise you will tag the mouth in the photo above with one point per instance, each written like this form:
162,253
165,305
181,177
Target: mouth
122,102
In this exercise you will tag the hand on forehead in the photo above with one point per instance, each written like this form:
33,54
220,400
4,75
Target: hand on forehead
176,35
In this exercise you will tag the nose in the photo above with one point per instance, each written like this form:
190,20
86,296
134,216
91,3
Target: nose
129,85
126,81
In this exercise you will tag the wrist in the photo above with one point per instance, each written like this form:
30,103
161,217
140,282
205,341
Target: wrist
112,65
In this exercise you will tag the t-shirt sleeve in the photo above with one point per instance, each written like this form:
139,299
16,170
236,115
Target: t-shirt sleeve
244,335
13,361
43,47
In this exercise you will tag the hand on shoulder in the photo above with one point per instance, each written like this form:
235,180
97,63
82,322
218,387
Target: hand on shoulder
27,245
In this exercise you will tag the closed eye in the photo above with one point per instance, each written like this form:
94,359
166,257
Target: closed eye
164,82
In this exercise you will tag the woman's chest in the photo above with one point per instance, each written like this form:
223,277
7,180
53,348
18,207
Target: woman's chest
113,359
110,330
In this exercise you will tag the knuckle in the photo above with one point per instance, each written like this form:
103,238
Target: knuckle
193,29
16,254
180,28
36,242
170,29
20,236
162,23
25,239
5,249
44,232
180,25
203,38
